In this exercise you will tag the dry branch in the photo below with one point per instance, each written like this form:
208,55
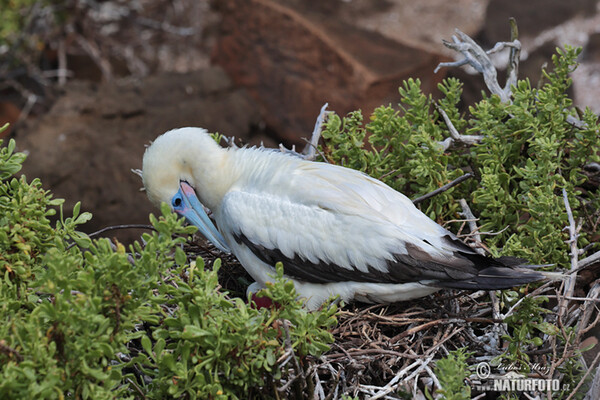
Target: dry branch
573,233
455,136
476,57
443,188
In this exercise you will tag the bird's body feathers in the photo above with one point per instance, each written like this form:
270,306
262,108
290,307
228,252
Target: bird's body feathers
337,231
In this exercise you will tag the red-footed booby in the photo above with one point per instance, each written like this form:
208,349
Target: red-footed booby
337,231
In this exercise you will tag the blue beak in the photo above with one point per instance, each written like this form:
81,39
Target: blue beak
186,203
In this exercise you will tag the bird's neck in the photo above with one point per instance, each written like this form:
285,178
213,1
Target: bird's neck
245,169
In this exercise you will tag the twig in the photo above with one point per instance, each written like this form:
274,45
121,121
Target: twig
31,100
137,388
592,366
495,342
426,325
62,63
570,283
455,136
544,288
298,387
594,392
96,54
588,307
166,27
586,262
468,214
391,385
467,235
577,123
309,151
138,172
512,69
115,227
9,351
444,188
479,59
230,141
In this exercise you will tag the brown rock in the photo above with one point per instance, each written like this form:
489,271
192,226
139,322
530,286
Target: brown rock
9,114
533,16
85,146
294,56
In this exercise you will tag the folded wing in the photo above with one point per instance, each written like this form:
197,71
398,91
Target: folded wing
331,224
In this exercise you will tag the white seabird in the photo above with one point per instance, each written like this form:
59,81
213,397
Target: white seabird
337,231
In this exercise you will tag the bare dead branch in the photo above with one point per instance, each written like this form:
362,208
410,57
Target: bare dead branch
476,57
444,188
569,285
455,136
309,151
468,214
117,227
584,377
594,392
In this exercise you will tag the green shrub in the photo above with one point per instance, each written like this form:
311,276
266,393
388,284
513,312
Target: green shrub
453,371
94,320
530,150
528,153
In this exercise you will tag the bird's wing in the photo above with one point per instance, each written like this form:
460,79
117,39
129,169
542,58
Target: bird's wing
331,224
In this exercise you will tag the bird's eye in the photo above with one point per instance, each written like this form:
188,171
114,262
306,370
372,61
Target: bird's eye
177,201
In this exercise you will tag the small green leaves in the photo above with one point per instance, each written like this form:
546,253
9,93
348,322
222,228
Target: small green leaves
529,152
547,328
10,162
70,318
223,345
453,371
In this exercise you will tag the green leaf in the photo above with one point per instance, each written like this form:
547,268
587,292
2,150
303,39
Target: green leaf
146,344
83,218
547,328
193,332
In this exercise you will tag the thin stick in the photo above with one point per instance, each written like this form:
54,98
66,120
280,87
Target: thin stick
309,151
115,227
443,188
594,392
468,214
9,351
476,57
570,283
592,366
62,63
466,139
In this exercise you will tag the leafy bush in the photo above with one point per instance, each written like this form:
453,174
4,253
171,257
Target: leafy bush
531,148
92,319
453,371
528,153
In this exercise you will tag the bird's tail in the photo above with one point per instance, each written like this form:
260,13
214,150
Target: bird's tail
554,276
503,277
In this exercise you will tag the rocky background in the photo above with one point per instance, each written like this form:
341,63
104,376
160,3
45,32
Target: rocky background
116,74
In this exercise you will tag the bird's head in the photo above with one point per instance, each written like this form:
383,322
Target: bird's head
185,169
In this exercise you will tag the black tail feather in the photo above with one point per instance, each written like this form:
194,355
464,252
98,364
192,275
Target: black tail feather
494,278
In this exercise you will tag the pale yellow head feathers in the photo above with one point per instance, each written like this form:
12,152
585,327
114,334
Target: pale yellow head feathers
185,154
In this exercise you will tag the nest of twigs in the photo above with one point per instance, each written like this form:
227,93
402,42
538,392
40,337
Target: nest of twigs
385,351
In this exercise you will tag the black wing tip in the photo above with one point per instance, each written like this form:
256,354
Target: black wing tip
494,278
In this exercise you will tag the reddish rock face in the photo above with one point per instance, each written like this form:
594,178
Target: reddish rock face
9,113
293,57
85,147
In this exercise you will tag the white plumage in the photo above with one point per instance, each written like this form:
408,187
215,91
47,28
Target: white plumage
336,230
